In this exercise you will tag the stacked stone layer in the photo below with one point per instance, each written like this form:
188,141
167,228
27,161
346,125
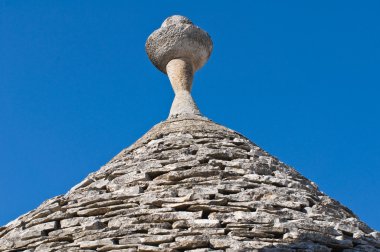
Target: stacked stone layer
191,185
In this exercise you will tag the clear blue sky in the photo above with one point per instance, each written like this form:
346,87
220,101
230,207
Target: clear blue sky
299,78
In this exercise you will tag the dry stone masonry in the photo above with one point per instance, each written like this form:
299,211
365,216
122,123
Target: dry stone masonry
190,184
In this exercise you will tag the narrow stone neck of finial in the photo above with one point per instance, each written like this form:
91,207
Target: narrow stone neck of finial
181,72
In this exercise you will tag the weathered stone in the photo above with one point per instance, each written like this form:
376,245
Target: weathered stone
204,223
178,38
116,223
171,217
190,185
239,217
148,248
206,231
196,223
221,242
65,232
92,223
94,244
75,221
114,247
157,239
194,172
130,178
39,230
190,242
130,240
93,211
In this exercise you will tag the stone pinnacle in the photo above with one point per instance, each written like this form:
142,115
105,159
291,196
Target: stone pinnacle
179,48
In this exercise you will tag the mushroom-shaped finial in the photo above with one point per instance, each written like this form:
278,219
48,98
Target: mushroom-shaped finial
179,48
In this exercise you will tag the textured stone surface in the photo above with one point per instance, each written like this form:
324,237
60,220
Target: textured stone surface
191,185
177,38
179,49
180,72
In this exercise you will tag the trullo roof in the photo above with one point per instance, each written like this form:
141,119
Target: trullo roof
190,184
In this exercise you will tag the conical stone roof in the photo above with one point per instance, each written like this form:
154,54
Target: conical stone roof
190,184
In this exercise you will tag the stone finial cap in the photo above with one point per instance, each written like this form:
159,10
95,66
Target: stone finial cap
178,37
179,48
